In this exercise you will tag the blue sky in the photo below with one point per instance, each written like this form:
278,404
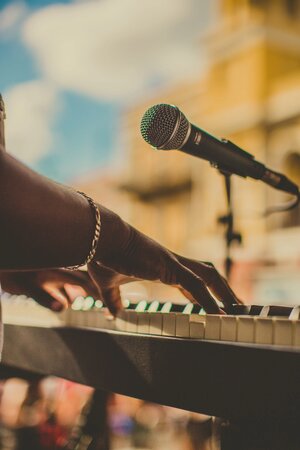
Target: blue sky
84,129
69,67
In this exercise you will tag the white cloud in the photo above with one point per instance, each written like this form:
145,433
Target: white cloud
11,15
31,108
112,49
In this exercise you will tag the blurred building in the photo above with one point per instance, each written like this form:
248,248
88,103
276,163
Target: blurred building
250,94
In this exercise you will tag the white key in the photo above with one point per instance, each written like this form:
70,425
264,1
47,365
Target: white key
87,318
169,324
283,331
132,322
182,325
264,311
264,331
228,328
295,313
77,320
23,311
121,320
197,326
111,323
156,323
143,322
153,307
101,319
246,329
212,326
296,337
68,317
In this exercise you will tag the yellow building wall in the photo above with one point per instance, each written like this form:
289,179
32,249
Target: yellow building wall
250,94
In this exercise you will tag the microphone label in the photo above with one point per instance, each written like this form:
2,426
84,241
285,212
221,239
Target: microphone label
197,138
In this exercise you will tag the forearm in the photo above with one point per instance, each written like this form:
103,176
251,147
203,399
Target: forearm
2,117
42,224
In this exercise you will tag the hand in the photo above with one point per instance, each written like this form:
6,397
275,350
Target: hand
124,254
52,288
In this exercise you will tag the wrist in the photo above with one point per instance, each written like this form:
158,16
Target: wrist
114,235
97,230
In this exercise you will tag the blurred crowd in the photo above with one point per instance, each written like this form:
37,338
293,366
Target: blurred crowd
45,414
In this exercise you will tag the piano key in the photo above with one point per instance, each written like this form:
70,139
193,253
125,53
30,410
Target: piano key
28,312
99,304
197,326
264,311
255,310
228,328
296,337
73,316
110,322
279,325
132,318
279,311
246,329
88,303
212,327
179,307
244,310
121,320
142,326
99,316
143,322
295,313
87,321
197,309
264,330
182,325
238,309
154,306
132,322
156,323
169,324
141,306
166,307
188,308
283,331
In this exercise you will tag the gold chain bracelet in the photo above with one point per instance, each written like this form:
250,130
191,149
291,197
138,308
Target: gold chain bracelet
95,240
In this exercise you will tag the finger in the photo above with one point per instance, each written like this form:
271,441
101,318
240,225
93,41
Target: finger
79,278
187,294
196,287
58,295
54,300
105,280
213,280
74,291
112,299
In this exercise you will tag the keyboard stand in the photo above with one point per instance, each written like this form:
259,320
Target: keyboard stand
246,384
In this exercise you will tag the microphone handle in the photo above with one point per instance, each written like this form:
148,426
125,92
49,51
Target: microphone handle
222,154
280,182
228,157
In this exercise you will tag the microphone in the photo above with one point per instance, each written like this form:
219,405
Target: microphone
165,127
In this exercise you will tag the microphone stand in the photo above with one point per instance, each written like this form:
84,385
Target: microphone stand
227,220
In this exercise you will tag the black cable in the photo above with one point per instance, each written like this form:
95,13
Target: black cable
285,207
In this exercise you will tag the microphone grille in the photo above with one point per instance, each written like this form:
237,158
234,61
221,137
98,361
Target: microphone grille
159,123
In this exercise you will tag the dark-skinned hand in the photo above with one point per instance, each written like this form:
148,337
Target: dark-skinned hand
52,288
124,254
